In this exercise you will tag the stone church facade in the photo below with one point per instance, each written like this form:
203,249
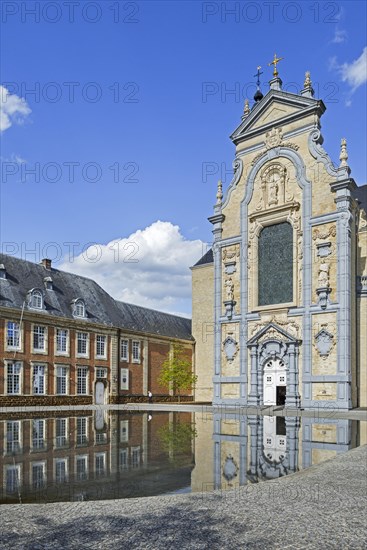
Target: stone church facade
280,301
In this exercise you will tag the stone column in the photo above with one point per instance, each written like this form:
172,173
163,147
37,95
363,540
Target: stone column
292,397
254,393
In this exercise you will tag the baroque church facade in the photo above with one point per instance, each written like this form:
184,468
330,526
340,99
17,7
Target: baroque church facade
280,301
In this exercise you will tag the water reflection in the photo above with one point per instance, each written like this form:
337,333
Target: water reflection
121,454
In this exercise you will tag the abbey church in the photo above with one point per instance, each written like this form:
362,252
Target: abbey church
280,301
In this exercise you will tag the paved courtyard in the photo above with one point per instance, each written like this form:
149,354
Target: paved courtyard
324,507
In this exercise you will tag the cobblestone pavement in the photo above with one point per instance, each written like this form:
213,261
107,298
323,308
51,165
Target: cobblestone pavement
323,507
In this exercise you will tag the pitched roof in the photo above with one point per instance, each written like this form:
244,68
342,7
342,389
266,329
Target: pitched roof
23,276
361,194
154,322
206,259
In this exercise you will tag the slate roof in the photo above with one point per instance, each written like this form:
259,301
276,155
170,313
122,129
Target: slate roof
360,193
23,276
154,322
206,259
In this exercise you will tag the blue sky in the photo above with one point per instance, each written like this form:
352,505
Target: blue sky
132,102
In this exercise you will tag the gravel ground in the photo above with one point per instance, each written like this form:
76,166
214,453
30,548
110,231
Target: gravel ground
323,507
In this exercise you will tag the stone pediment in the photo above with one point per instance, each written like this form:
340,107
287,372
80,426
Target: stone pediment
276,108
272,332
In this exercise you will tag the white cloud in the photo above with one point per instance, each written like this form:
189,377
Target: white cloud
354,73
13,109
340,36
148,268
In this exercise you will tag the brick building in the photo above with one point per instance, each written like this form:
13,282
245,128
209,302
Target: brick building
64,340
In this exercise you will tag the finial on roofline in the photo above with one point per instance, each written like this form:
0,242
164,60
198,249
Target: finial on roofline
219,193
343,157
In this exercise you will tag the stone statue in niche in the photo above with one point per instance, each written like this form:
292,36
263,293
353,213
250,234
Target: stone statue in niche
323,277
273,188
229,289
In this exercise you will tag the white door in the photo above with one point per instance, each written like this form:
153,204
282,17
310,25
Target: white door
99,393
274,375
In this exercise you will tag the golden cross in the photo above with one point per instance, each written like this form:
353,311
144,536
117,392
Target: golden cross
274,62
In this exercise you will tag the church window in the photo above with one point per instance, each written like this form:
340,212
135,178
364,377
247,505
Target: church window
275,267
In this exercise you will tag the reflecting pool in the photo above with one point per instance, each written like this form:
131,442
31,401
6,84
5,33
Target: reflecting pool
93,455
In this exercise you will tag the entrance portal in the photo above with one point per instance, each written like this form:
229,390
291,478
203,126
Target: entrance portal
275,382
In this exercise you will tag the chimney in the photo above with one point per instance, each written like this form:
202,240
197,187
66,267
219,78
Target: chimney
46,263
2,271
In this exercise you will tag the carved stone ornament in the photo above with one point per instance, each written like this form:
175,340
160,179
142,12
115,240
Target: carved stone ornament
323,296
289,326
323,275
323,249
320,234
230,468
273,138
229,286
230,348
229,257
324,342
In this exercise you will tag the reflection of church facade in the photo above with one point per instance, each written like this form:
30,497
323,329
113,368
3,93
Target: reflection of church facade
280,302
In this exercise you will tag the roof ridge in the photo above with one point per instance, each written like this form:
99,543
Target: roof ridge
152,309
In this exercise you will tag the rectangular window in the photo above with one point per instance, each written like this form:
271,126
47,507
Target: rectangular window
100,346
38,475
39,380
136,351
12,479
38,434
13,335
124,381
14,371
124,459
61,433
101,437
124,431
100,464
62,341
101,373
81,468
135,457
124,350
82,343
81,430
82,379
13,437
61,470
39,338
62,380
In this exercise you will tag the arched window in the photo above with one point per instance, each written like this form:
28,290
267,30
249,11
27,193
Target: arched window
79,308
36,300
275,265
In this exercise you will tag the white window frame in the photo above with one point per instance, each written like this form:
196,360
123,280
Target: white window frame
64,461
83,433
35,365
124,373
82,354
43,431
39,463
104,354
15,468
124,465
138,347
86,473
101,373
61,441
124,342
85,369
19,345
134,451
36,299
79,308
67,378
65,353
44,349
18,441
18,364
100,438
96,457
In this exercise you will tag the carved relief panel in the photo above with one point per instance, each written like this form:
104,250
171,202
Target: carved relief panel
324,264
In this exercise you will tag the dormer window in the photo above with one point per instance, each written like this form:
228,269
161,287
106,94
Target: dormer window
79,308
36,299
48,283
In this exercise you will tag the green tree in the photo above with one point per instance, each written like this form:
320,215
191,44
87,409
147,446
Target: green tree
176,371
